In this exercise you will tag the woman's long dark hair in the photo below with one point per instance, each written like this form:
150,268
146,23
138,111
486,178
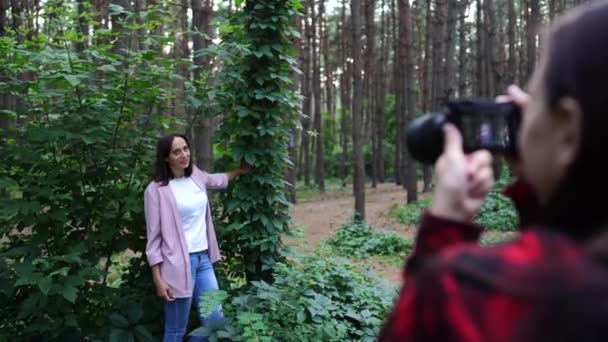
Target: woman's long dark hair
576,66
162,171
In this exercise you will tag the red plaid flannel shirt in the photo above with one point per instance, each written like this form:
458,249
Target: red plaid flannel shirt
456,290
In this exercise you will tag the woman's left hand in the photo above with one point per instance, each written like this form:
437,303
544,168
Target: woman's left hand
462,180
245,168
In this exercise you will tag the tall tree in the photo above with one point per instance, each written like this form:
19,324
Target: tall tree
4,101
181,52
407,109
82,25
462,48
328,69
532,25
307,95
511,73
370,95
357,111
202,12
345,93
380,94
398,89
121,45
316,81
449,66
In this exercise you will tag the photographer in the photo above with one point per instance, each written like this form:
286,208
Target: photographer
551,283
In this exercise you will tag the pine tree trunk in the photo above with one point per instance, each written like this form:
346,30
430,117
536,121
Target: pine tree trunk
409,109
180,52
329,86
398,89
140,44
121,45
531,36
345,96
4,98
511,74
81,24
480,58
357,112
318,121
380,97
306,106
450,46
203,124
370,34
462,49
439,53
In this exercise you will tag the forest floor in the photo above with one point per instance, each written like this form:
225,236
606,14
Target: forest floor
319,215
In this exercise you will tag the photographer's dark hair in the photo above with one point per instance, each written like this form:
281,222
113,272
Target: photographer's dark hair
577,66
162,171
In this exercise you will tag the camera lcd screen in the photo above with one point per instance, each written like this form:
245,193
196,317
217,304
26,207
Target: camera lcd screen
485,131
485,125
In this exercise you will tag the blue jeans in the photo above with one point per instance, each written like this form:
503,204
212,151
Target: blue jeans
177,312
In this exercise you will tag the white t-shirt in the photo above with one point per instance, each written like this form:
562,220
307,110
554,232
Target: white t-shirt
192,208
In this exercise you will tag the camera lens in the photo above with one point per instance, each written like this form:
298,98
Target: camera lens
425,137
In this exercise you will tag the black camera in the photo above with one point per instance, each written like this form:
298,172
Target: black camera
484,124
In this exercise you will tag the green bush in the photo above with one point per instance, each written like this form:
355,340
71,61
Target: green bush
314,299
76,162
497,213
410,214
359,240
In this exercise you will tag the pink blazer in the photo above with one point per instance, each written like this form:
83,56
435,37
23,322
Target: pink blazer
166,239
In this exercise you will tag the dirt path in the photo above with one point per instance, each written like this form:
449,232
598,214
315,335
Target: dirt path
323,214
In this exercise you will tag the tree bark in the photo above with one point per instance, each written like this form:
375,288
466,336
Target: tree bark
531,36
462,49
357,112
121,45
306,106
398,89
409,109
202,12
4,98
180,52
511,74
449,68
318,121
480,58
345,96
82,26
370,47
380,98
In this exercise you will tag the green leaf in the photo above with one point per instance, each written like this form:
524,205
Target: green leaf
301,316
73,80
45,285
119,321
120,335
70,293
143,334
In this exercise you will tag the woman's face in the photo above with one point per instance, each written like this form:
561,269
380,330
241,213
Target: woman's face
179,157
548,139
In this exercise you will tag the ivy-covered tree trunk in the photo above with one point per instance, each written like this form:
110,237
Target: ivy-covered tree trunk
261,107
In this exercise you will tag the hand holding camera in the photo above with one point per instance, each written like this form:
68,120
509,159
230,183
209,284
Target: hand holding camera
461,141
